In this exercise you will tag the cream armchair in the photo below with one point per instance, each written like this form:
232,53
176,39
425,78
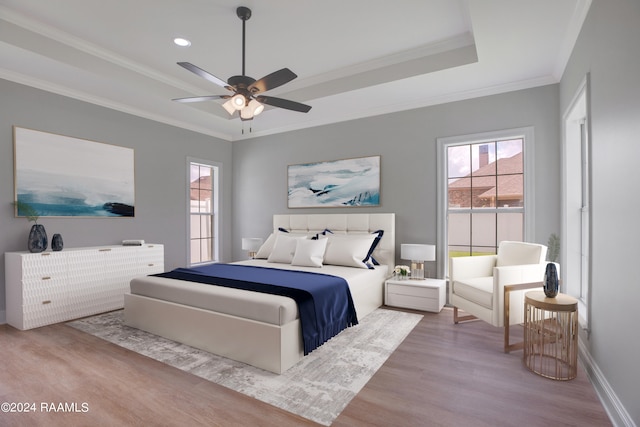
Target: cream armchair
477,284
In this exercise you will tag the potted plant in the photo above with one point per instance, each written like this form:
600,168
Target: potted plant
554,247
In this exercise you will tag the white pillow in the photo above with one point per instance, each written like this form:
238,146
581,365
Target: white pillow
267,247
284,248
310,253
348,250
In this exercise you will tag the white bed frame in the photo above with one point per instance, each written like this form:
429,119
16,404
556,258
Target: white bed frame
270,347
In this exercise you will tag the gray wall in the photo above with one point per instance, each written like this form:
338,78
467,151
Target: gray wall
407,143
160,171
608,49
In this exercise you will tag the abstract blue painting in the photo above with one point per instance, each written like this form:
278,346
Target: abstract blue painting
64,176
338,183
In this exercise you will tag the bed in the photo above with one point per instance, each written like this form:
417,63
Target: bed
260,329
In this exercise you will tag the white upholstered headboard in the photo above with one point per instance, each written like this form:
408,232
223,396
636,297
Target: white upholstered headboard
347,224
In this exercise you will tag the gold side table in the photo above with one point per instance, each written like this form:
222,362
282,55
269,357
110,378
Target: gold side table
551,335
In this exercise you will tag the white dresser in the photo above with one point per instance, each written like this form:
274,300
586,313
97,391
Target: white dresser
51,287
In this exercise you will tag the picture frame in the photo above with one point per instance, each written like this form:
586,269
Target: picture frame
351,182
63,176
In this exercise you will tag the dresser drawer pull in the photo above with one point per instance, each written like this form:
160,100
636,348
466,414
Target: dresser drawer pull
46,302
45,254
150,265
46,278
104,250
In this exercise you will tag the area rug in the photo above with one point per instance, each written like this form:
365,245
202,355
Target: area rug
318,387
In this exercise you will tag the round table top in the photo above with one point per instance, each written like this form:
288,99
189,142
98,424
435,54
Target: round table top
561,302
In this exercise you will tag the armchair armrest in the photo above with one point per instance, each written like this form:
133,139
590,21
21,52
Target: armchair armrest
514,274
472,266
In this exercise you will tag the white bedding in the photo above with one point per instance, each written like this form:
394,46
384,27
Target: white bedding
259,329
267,308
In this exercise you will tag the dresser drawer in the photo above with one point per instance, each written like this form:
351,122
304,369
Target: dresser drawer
34,291
44,312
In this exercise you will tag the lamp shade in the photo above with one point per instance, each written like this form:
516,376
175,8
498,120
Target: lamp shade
251,244
416,252
238,101
229,106
252,109
256,107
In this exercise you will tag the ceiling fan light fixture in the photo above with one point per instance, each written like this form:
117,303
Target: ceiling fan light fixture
251,110
256,107
239,101
246,114
229,107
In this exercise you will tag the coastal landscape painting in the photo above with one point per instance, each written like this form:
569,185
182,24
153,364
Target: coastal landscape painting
338,183
63,176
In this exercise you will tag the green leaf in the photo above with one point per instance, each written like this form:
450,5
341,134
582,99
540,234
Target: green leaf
25,209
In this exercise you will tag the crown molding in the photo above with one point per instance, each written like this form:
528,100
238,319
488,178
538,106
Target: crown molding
571,36
410,105
103,102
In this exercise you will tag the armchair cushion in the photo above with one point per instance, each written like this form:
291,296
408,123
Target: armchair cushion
478,290
519,253
472,266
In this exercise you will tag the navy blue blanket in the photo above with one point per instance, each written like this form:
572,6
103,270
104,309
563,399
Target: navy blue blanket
324,302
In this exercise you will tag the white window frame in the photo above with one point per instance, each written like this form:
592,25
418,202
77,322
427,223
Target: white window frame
217,184
442,144
576,209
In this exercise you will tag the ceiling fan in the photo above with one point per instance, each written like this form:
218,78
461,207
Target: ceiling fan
247,98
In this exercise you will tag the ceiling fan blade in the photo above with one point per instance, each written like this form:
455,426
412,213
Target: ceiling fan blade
201,98
284,103
204,74
272,81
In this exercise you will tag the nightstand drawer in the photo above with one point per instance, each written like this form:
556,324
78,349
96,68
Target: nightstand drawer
413,302
418,291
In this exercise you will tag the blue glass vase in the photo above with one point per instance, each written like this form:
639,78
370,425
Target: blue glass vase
56,242
551,282
38,241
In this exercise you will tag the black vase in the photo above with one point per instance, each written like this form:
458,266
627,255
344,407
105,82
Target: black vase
56,242
37,238
551,282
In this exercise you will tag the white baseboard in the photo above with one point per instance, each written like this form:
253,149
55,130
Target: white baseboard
616,411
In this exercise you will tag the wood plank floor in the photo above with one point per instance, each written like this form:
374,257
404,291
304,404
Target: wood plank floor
441,375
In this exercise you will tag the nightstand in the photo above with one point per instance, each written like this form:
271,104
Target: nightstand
425,294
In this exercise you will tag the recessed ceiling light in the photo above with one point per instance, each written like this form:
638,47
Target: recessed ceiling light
182,42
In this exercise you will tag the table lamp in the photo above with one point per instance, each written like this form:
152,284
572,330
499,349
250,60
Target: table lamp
251,244
418,254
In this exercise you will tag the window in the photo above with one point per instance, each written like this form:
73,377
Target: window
576,240
482,192
203,212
